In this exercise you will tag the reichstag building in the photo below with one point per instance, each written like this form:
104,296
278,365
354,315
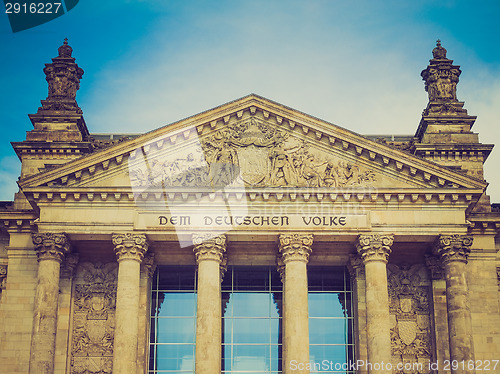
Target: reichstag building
250,238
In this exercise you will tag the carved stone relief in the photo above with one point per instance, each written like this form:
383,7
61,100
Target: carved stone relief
410,317
251,153
94,304
441,77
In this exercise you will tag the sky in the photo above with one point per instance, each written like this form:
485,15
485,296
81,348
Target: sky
353,63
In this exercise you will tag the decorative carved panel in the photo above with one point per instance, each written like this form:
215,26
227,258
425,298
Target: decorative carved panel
409,305
251,153
94,304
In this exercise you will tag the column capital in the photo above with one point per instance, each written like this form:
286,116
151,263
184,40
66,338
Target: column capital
130,246
68,266
280,267
51,246
374,247
356,267
149,264
208,246
295,247
453,247
435,266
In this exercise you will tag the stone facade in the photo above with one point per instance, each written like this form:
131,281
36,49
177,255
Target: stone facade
250,183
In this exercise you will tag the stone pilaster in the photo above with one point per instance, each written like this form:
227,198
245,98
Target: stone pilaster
130,250
3,276
51,248
357,273
295,250
439,321
148,268
374,251
454,251
209,252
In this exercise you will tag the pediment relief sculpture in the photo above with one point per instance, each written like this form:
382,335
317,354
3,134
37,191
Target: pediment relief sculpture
250,153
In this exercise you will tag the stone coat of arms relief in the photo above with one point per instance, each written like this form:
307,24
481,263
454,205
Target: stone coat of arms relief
94,305
249,153
410,316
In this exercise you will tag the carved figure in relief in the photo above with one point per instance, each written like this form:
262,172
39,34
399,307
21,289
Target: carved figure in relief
282,172
253,153
224,168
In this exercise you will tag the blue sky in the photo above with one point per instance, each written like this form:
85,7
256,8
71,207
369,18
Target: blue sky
353,63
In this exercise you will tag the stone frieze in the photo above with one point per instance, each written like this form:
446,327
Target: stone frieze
250,153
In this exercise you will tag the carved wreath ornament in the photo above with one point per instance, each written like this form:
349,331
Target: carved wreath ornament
252,153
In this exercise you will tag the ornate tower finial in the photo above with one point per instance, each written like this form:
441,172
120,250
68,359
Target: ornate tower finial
65,50
441,77
63,76
439,52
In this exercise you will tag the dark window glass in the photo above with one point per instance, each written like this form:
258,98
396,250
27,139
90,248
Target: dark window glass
330,319
173,320
251,323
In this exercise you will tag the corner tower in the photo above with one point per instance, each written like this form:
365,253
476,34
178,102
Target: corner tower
59,131
444,133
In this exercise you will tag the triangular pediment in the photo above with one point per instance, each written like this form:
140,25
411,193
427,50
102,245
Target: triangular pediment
252,143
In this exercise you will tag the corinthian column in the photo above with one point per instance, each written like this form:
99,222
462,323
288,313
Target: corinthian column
209,252
129,250
295,250
454,251
50,249
374,251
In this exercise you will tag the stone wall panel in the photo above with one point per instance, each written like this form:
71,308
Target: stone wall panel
94,305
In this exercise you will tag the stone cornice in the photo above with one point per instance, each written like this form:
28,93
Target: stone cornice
130,246
209,246
453,247
313,129
51,246
484,223
374,247
362,195
295,247
18,221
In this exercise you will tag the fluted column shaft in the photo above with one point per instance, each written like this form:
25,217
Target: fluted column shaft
51,249
454,251
130,250
374,251
209,253
295,250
